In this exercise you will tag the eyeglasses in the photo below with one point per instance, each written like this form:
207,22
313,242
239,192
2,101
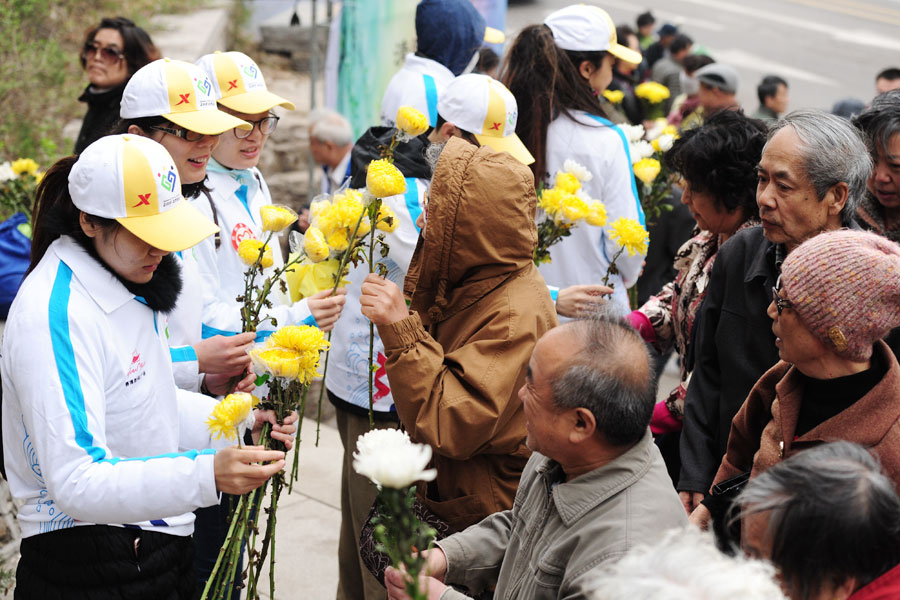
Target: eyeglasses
185,134
780,303
266,126
108,54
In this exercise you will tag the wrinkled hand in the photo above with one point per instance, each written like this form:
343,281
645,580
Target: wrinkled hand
382,301
326,309
430,580
283,433
690,500
218,384
224,353
578,300
700,517
240,470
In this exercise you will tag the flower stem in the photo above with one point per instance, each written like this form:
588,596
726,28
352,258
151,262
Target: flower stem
373,217
612,268
295,468
322,390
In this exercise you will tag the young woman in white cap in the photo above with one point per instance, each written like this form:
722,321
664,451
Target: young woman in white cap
238,191
556,70
96,436
174,103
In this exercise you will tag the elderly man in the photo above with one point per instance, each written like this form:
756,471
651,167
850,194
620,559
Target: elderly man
718,88
330,143
595,486
812,176
880,124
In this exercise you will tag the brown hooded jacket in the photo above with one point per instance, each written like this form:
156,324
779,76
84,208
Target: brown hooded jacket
478,306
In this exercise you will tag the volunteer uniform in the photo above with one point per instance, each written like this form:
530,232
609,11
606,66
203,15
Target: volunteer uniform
584,256
234,203
419,83
184,328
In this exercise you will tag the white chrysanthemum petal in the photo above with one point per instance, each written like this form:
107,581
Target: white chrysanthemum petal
390,459
578,170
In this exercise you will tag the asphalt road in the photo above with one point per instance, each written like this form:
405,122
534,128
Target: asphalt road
825,49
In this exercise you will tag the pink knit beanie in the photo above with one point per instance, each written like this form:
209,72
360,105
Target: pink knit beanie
845,286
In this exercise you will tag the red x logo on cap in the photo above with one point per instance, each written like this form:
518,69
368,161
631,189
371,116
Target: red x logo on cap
232,85
185,99
145,199
496,126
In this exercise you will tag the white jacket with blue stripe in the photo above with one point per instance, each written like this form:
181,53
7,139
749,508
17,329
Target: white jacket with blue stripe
419,83
94,429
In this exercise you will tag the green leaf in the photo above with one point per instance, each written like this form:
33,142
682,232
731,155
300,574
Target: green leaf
261,379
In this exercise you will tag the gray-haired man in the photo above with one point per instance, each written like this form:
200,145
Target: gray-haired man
812,176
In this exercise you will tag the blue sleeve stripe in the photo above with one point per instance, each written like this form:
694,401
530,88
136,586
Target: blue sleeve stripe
190,454
207,332
159,523
310,320
412,201
634,190
431,97
64,355
554,292
183,354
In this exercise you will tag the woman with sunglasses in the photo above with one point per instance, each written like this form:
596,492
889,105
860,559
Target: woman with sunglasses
106,455
837,297
238,192
113,51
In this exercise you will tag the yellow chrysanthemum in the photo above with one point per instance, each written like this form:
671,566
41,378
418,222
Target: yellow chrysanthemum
285,364
652,92
383,179
276,217
229,414
596,214
339,240
316,206
347,209
574,208
386,219
670,130
38,176
364,228
646,169
411,121
24,165
551,201
566,182
249,249
306,278
300,338
630,235
315,245
614,96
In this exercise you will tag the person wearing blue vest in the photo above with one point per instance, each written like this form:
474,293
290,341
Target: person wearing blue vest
108,458
449,34
565,121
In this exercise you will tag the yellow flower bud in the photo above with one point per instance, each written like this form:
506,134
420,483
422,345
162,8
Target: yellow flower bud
646,170
229,414
630,235
596,214
315,245
411,121
614,96
383,179
276,217
248,251
567,182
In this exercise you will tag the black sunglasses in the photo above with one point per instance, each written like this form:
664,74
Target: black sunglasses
185,134
266,126
780,303
108,54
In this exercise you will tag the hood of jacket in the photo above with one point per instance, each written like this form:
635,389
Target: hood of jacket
480,230
409,157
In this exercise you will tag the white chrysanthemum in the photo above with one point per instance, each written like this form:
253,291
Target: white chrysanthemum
584,196
665,142
6,172
390,459
639,150
578,170
633,132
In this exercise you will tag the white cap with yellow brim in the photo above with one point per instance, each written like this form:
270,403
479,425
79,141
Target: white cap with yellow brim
585,28
494,36
239,83
484,107
180,92
132,179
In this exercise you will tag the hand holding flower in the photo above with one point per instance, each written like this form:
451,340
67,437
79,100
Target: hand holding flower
326,308
219,384
221,354
382,301
240,470
284,433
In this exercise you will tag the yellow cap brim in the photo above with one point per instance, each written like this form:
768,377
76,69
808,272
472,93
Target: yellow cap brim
208,121
178,228
494,36
626,54
255,102
509,143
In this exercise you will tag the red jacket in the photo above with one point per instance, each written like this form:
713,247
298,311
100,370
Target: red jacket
886,587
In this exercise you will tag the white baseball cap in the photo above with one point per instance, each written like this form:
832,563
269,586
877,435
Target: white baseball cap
132,179
239,83
588,29
484,107
180,92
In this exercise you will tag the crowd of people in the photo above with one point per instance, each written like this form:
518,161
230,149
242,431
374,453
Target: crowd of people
559,474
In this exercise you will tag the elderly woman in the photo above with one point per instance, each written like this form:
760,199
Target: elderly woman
717,163
113,51
837,297
836,499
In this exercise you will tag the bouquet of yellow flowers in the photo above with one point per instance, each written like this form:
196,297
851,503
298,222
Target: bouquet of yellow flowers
288,361
652,95
564,205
